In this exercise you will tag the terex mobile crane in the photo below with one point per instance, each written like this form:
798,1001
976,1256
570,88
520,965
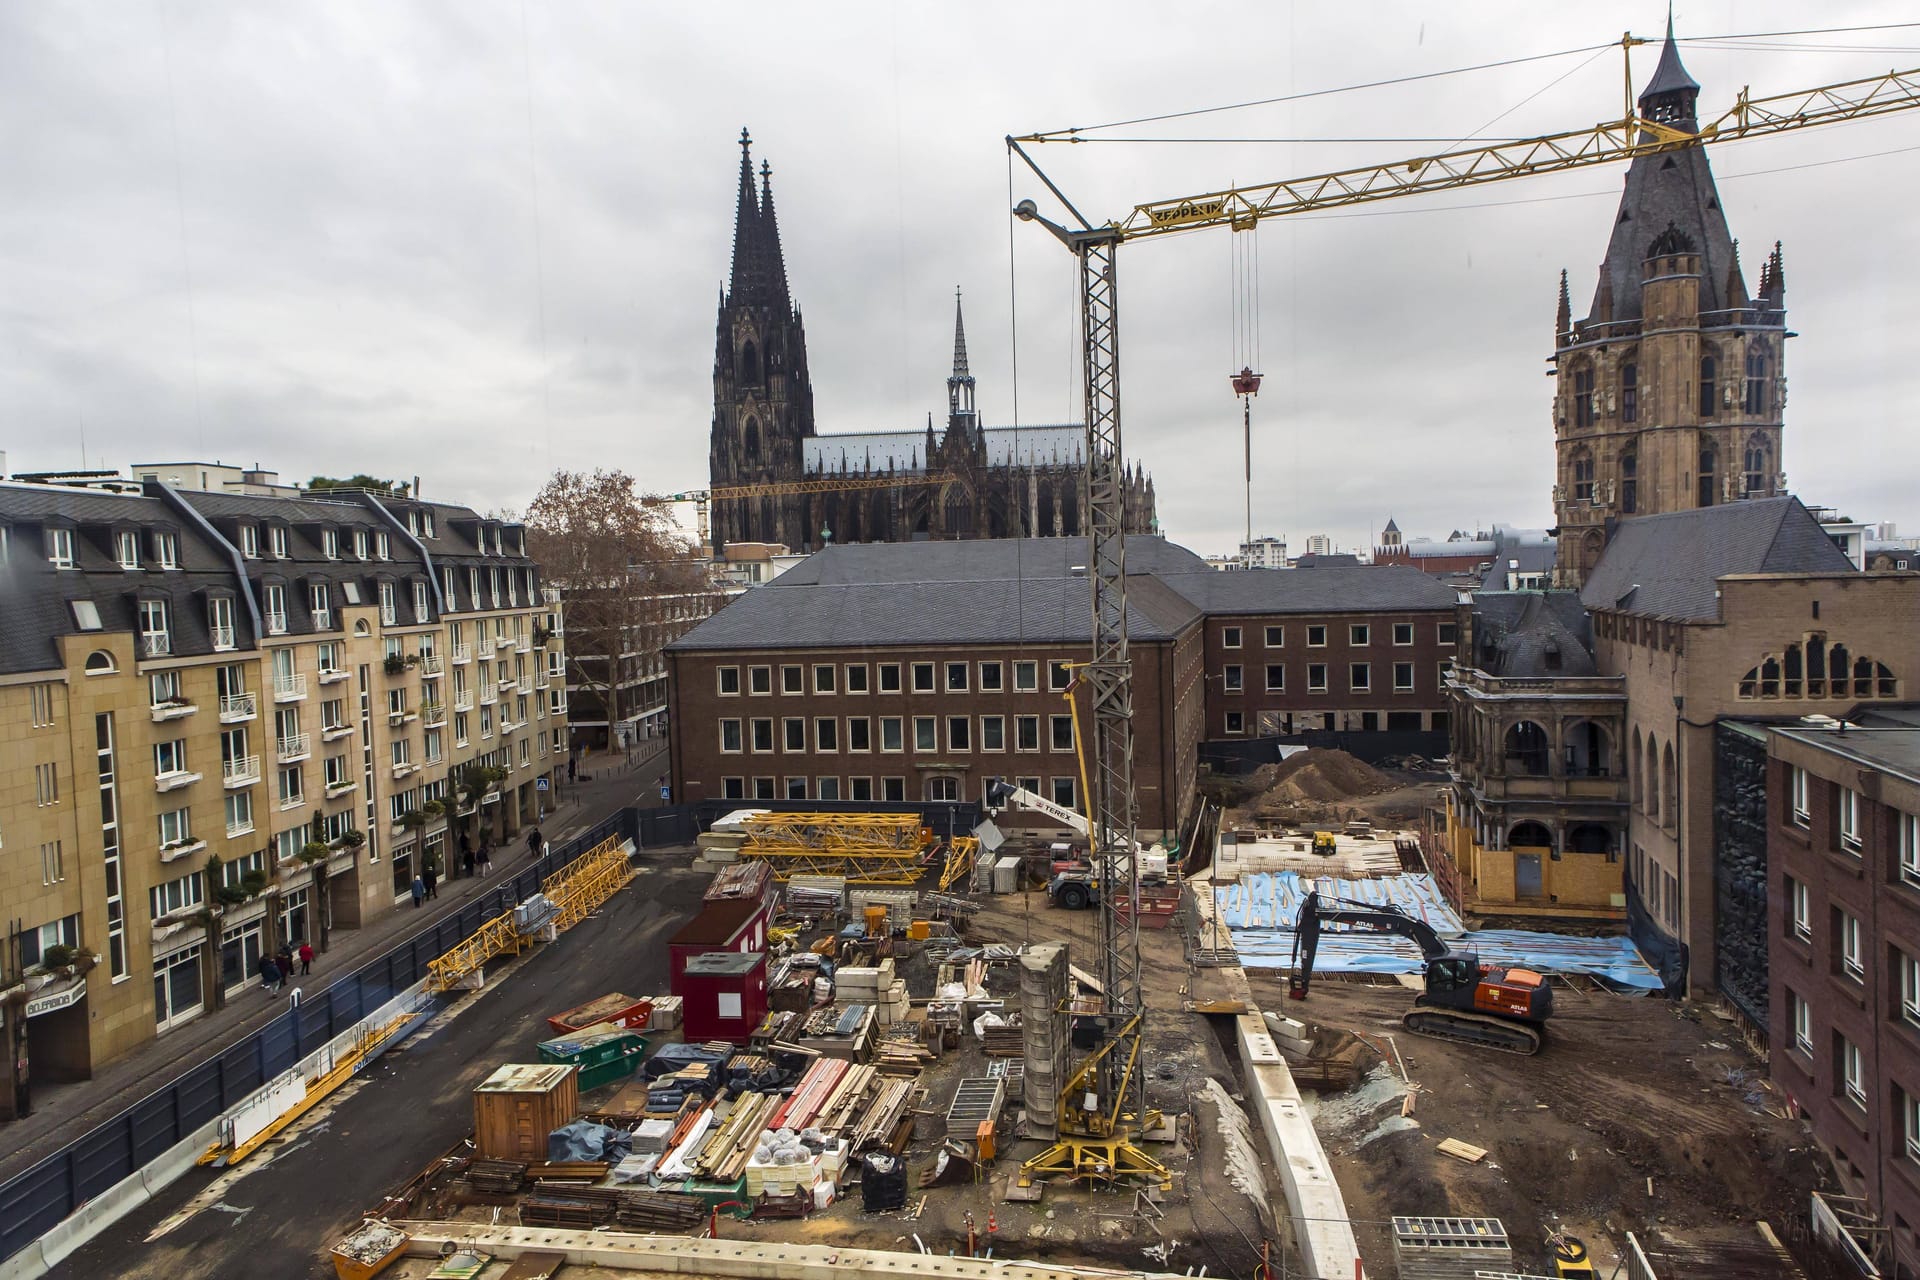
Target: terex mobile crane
1074,887
1464,1001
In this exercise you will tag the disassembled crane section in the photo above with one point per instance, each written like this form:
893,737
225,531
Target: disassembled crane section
865,848
1116,1068
1075,885
1465,1001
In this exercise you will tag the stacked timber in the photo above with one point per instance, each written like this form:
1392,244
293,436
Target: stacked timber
1007,1040
663,1211
888,1119
497,1177
740,880
903,1050
730,1144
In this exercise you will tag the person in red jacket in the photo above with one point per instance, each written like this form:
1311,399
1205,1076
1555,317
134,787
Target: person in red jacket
306,958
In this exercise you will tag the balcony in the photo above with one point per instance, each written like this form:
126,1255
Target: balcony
334,732
241,771
337,789
172,709
526,685
404,768
507,679
422,615
236,707
289,688
157,645
222,636
330,675
388,617
435,714
486,647
463,700
178,849
323,619
488,695
237,829
521,644
296,746
462,653
174,780
276,623
430,664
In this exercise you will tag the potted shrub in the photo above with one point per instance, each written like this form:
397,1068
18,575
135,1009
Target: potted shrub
413,820
231,895
57,956
395,664
253,882
433,808
313,851
350,839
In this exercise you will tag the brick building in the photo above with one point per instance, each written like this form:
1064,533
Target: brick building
232,722
1735,611
917,671
1843,852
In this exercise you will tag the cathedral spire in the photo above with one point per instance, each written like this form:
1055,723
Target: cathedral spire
746,224
1669,97
1736,283
1563,314
960,382
776,262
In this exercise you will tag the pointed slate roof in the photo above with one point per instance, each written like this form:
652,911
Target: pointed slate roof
1529,634
1669,565
759,270
1669,189
960,371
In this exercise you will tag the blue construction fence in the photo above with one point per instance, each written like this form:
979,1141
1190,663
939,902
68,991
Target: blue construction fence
40,1198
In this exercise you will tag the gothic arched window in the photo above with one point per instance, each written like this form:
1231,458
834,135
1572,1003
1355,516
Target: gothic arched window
1583,395
1756,466
1756,397
750,439
1707,399
1629,393
1709,465
1582,476
1629,482
749,365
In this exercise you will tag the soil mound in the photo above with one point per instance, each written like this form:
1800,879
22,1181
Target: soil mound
1321,775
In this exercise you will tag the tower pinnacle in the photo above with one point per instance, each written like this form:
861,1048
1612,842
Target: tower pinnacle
960,382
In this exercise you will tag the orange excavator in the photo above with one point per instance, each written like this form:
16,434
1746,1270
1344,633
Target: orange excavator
1465,1001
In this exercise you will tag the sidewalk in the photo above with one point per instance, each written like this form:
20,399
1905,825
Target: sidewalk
62,1113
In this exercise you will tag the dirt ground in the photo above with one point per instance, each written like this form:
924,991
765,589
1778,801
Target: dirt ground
1639,1115
1327,789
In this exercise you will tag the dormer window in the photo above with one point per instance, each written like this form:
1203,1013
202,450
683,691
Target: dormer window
360,544
250,541
60,548
277,541
320,604
473,586
426,524
330,543
381,546
156,641
126,549
413,522
166,550
446,582
420,611
276,597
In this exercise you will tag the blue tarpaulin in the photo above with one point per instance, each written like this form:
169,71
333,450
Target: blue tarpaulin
1260,911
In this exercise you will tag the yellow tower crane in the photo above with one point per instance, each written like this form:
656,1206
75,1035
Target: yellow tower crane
1108,1084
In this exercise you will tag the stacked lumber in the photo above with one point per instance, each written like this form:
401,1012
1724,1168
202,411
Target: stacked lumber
1005,1041
892,1103
664,1211
846,1100
497,1177
903,1050
546,1209
588,1171
729,1147
799,1110
739,880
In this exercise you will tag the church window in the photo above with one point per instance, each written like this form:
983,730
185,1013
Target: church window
1756,397
1707,401
1709,463
1583,397
1629,482
1630,393
1756,466
749,365
1583,476
751,439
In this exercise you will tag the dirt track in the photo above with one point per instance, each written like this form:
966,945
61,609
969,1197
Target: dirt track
1627,1089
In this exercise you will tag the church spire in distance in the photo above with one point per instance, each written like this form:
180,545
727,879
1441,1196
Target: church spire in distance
960,382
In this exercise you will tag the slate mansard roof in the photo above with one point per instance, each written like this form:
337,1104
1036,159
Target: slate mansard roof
1532,634
1668,565
1026,591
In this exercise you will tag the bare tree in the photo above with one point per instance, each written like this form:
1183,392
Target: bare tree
626,576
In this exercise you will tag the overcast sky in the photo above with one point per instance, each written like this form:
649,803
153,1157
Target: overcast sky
478,241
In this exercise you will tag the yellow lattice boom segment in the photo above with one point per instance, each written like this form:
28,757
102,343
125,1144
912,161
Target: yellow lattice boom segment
576,889
962,853
866,848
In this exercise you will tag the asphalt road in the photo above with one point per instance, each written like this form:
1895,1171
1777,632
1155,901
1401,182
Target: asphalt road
278,1217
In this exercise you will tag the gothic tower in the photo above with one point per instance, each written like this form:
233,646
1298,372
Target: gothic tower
1670,394
762,397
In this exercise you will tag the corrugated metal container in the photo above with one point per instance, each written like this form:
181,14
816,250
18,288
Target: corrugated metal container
517,1106
1006,875
601,1054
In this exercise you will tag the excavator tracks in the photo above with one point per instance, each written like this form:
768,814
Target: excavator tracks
1473,1028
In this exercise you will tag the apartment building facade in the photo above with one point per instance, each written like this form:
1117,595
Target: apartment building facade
231,724
1843,854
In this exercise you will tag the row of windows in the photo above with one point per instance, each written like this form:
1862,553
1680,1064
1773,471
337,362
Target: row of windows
1849,1067
1359,635
1359,677
163,548
1064,790
1847,821
888,677
800,734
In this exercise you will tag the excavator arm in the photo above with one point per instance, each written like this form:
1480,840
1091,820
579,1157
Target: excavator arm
1314,914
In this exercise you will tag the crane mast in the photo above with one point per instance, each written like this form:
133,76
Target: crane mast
1117,1067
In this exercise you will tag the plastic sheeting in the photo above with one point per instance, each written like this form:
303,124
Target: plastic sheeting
1260,912
585,1140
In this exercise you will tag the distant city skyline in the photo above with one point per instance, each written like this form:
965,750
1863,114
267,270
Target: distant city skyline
409,239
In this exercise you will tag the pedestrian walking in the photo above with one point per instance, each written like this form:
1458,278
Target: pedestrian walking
573,768
535,843
269,975
419,892
432,879
285,960
486,856
306,958
466,863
